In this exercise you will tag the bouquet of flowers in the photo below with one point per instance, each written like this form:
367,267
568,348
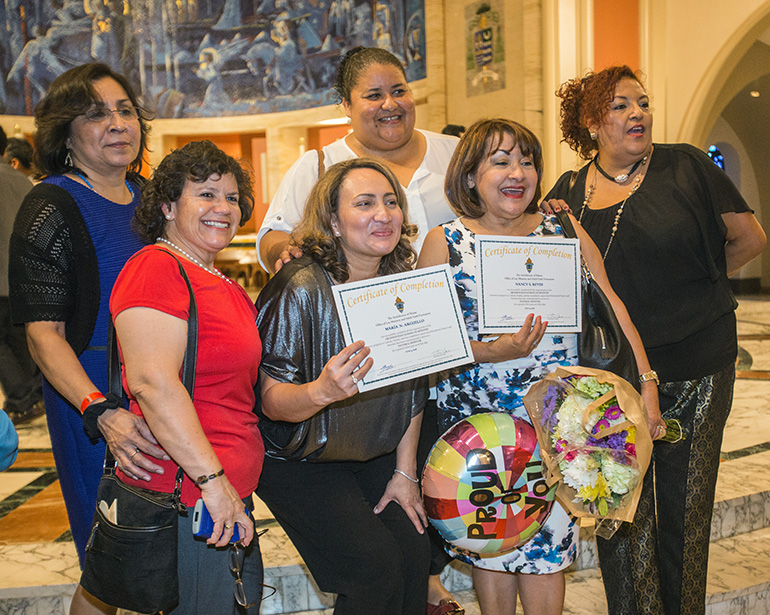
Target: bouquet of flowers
592,429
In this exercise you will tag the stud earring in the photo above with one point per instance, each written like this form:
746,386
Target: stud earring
592,135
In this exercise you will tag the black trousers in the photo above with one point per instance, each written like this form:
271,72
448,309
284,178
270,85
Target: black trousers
376,564
658,564
439,558
19,375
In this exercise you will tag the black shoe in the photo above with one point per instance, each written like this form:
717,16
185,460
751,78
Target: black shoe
35,410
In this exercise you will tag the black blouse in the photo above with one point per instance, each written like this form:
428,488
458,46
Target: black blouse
667,260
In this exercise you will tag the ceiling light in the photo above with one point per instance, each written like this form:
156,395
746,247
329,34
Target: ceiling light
754,93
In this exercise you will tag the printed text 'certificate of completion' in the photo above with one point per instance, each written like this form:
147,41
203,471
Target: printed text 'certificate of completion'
411,321
518,276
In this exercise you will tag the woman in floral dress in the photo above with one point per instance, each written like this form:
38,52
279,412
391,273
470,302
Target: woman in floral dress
493,184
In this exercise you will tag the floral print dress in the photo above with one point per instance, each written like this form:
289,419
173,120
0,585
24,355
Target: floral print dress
500,387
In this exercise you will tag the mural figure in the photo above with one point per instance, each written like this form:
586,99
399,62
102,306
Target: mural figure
194,58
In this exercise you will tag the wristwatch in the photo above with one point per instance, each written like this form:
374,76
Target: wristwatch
650,375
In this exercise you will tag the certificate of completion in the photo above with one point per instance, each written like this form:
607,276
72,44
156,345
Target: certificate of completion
411,321
518,276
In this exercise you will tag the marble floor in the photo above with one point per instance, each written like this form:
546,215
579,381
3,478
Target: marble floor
38,565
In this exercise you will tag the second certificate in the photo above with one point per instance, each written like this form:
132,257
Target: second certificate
518,276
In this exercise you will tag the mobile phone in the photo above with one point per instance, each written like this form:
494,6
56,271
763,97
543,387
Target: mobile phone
203,524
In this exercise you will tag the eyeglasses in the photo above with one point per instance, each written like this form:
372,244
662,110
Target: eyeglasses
235,566
103,114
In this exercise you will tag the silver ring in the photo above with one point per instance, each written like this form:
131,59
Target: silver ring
136,450
355,380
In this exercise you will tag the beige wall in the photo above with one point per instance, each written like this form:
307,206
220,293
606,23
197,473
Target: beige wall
693,47
521,99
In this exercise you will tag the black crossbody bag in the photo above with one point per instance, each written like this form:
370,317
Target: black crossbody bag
131,563
601,343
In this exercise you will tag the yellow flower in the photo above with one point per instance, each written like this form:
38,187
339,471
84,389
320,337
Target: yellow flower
599,490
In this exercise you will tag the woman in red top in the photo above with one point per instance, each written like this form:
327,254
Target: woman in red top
191,208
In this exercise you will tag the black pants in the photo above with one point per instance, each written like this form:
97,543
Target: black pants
658,564
376,564
19,375
439,558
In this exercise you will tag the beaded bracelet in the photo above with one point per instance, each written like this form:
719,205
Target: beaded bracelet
202,480
405,475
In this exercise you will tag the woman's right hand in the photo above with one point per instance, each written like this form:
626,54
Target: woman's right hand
130,439
226,509
289,252
340,375
511,346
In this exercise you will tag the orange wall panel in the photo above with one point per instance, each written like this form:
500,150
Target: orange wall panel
616,33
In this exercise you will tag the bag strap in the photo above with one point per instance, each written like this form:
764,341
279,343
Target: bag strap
188,366
566,224
569,231
321,165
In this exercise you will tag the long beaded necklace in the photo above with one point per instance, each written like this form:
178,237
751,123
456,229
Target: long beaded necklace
213,271
590,193
88,183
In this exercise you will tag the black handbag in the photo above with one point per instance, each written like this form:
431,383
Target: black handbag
131,555
601,343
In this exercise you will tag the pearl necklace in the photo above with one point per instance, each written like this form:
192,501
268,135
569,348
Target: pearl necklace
213,271
590,194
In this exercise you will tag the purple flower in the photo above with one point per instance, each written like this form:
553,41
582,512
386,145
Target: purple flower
613,412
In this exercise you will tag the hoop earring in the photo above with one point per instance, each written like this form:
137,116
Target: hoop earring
68,160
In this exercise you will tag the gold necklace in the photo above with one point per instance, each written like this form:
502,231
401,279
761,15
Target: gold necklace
590,194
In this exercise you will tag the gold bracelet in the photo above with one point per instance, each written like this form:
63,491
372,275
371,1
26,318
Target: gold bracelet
650,375
202,480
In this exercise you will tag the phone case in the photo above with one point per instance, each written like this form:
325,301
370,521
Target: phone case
203,524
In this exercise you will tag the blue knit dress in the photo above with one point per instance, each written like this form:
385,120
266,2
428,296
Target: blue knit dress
78,459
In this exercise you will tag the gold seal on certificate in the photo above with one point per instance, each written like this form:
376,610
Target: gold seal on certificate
411,321
517,276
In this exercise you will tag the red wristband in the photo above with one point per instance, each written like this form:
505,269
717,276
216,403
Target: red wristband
88,399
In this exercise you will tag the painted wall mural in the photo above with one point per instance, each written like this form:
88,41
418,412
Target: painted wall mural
203,58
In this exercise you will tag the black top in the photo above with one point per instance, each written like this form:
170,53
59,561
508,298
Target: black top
300,332
667,261
53,265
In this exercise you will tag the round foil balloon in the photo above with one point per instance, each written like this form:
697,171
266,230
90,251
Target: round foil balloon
483,484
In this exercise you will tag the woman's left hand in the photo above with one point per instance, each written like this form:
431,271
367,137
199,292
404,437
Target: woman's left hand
226,509
655,423
551,206
407,495
131,443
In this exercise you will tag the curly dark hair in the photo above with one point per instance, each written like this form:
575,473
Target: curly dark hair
355,62
587,100
476,145
195,162
315,236
71,94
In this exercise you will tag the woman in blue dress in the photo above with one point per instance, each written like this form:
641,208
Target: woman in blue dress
493,184
71,238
